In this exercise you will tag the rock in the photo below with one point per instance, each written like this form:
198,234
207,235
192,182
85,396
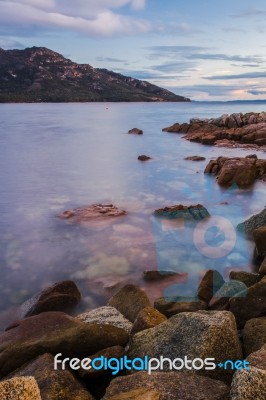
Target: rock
189,213
195,335
256,221
144,158
106,316
54,332
210,284
24,388
91,213
62,296
238,129
170,306
252,156
146,319
135,131
259,236
170,385
129,300
251,305
220,300
249,385
157,275
258,358
262,269
111,352
195,158
248,278
137,394
229,171
53,384
254,335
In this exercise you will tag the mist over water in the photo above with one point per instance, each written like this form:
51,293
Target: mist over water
55,157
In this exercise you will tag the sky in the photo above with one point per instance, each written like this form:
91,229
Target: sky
208,50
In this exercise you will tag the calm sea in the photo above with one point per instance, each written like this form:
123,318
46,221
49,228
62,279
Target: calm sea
54,157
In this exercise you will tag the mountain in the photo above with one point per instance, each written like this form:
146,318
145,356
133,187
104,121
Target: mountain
38,74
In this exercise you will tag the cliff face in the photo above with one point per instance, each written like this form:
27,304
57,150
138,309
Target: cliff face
38,74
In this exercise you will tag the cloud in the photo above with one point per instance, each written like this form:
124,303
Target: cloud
110,59
94,18
246,75
257,92
8,43
250,12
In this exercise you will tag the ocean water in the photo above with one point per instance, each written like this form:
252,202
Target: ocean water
54,157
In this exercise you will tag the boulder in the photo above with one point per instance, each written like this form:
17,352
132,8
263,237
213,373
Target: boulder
170,306
258,358
24,388
259,236
202,334
106,316
129,300
146,319
62,296
170,385
135,131
188,213
254,335
54,332
210,284
220,300
248,278
144,158
249,385
94,212
256,221
53,384
251,305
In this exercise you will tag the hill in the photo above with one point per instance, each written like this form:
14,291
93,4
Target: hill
38,74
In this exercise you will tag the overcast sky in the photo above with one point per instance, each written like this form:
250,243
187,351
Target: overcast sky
202,49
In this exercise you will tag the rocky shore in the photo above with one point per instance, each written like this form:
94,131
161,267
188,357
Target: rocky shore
235,130
225,321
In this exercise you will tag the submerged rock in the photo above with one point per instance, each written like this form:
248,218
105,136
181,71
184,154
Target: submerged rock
195,158
190,213
92,212
158,275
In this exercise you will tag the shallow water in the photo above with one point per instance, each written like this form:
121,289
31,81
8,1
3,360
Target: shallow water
54,157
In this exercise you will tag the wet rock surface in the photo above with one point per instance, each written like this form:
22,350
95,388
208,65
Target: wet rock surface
170,306
235,130
62,296
189,213
92,213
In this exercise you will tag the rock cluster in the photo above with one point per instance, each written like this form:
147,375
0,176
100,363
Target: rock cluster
238,130
130,327
240,171
92,212
188,213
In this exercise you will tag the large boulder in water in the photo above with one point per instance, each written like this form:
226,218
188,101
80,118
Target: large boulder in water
188,213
